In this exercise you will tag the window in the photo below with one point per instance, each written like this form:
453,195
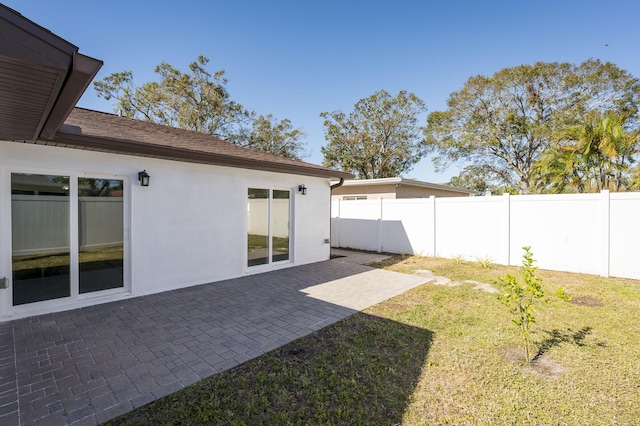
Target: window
354,197
268,219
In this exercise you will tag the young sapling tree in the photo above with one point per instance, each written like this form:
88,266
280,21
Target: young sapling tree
520,294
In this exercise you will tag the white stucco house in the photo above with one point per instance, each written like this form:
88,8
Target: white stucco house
95,207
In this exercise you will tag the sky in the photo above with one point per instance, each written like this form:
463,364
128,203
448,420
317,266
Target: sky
296,59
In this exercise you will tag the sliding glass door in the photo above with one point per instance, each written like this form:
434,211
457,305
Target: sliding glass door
46,263
268,220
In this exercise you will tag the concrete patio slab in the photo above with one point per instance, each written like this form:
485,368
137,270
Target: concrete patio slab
90,365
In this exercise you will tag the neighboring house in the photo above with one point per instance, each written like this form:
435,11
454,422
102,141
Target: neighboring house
77,226
396,187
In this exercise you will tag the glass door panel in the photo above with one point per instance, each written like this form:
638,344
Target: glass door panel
100,234
280,226
40,257
257,227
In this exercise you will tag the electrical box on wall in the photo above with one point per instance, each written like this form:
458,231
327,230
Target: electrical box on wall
4,282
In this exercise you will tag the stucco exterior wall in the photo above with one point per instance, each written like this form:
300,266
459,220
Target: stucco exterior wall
188,227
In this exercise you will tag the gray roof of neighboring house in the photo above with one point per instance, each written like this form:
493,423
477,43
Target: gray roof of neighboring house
408,182
42,77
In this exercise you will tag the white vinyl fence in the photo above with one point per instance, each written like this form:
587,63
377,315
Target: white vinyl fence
589,233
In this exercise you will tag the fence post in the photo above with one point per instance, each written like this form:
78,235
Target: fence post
432,200
506,229
605,229
380,226
336,232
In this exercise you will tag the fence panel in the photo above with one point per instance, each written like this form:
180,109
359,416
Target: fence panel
624,253
562,230
471,227
358,224
407,226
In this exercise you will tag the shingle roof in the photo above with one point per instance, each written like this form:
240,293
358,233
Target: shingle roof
94,130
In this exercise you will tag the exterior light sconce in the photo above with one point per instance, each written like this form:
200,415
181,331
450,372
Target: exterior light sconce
143,177
302,189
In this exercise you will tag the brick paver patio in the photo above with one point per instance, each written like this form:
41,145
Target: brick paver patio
89,365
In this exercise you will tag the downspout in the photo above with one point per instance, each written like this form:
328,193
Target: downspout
337,185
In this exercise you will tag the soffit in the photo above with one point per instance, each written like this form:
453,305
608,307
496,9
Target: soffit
41,78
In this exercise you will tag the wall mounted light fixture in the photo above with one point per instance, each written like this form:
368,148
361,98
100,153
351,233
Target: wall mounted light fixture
302,189
143,177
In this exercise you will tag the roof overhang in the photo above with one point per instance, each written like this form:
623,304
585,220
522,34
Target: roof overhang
71,137
42,77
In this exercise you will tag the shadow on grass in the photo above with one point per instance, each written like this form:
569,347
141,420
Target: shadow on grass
361,370
392,260
557,337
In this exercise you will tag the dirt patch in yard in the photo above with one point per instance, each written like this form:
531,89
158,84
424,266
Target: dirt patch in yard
546,368
542,366
586,301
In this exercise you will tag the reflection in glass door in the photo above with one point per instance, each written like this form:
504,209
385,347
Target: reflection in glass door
100,234
40,237
280,226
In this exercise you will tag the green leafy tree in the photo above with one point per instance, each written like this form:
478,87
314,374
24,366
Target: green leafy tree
194,100
505,122
635,179
380,138
198,100
268,135
592,156
482,179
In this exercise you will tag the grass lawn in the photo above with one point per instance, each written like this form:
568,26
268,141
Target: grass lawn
439,355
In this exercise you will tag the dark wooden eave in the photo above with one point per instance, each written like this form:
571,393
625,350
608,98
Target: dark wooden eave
42,77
